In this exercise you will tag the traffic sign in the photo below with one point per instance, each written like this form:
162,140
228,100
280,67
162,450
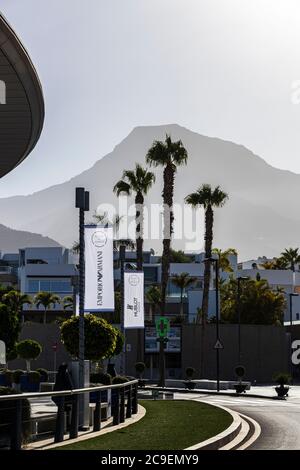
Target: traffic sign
54,347
218,344
162,327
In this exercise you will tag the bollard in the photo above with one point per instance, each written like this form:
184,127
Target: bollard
60,420
129,402
74,417
16,432
116,407
122,405
135,400
97,413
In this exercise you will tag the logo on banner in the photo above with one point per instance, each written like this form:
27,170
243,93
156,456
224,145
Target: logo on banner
99,239
133,280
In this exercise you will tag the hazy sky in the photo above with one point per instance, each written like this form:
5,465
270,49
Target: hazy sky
222,68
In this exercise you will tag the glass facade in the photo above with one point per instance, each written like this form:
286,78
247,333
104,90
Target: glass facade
50,285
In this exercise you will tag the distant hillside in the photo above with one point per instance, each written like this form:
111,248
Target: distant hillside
11,240
261,217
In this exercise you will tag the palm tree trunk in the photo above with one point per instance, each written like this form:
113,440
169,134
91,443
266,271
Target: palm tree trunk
181,304
45,317
209,218
168,192
139,229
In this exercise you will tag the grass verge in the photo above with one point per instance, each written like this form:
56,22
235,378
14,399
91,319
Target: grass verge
167,425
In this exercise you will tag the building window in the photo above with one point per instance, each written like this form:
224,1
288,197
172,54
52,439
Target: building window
55,286
297,316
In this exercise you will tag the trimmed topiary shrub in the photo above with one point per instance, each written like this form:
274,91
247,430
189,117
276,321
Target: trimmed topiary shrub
16,376
119,342
29,350
8,376
100,337
43,373
7,415
282,378
101,378
34,377
119,379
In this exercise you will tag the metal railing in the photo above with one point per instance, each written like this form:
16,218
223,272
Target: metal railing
124,405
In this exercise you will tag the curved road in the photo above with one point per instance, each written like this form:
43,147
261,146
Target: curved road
279,419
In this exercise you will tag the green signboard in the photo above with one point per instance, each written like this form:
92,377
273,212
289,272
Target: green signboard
162,327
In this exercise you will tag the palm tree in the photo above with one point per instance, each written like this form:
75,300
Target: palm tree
153,296
169,155
46,299
291,256
183,281
207,198
16,300
223,256
68,302
137,181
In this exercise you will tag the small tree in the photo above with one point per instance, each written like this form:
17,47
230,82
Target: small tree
100,337
29,350
9,327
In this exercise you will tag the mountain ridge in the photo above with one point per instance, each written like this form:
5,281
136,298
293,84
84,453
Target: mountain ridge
250,181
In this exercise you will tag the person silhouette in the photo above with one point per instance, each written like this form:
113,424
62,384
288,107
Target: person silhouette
63,381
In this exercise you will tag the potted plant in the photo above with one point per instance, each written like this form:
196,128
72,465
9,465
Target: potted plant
189,372
29,350
43,373
282,380
34,379
140,368
16,379
240,387
100,378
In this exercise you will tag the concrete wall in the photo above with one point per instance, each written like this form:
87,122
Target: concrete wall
265,349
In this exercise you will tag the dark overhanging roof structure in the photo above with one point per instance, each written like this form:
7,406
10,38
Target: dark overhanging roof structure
22,114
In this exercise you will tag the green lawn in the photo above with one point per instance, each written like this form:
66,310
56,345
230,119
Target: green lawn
167,425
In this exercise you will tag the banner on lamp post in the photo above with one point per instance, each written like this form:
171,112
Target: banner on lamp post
99,271
134,300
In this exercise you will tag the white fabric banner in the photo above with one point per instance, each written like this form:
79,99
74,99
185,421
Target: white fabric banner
99,271
134,300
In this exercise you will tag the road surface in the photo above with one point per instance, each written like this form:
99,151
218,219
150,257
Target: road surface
279,419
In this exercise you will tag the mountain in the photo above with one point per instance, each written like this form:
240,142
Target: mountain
260,218
11,240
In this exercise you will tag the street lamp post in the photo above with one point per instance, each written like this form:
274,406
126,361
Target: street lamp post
216,261
81,203
238,305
